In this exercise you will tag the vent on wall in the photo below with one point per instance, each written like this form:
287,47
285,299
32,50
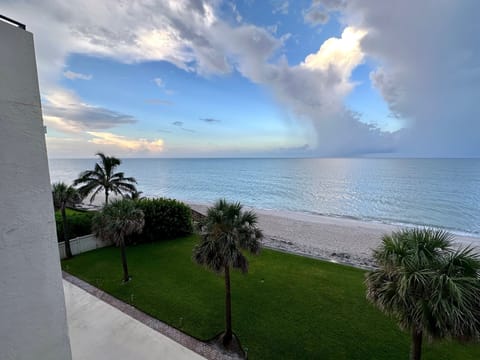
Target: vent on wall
13,22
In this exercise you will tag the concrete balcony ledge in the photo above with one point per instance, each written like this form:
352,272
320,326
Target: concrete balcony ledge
103,327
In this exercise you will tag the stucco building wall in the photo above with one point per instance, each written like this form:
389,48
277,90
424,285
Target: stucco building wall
32,305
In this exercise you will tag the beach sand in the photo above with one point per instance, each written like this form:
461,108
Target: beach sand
340,240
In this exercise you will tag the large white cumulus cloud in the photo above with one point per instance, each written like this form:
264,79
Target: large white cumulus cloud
429,56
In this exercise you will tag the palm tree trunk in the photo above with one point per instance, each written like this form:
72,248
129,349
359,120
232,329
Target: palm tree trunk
66,240
416,350
227,337
126,277
106,196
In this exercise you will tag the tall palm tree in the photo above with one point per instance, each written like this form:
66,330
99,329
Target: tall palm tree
63,197
103,177
225,232
431,288
115,222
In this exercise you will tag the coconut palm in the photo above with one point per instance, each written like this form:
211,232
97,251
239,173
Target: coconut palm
115,222
103,177
225,232
65,196
429,287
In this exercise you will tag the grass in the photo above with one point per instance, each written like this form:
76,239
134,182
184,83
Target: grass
287,307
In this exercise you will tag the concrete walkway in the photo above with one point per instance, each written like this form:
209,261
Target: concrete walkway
100,331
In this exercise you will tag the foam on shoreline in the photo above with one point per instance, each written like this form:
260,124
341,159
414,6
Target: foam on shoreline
337,239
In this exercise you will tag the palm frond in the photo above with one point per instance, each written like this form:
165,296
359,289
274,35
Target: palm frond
425,284
103,177
225,232
117,220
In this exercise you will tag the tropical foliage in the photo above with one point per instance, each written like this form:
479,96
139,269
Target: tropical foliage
64,196
104,178
431,288
115,223
134,195
79,223
225,232
164,219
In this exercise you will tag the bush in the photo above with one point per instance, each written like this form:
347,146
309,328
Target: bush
79,223
164,219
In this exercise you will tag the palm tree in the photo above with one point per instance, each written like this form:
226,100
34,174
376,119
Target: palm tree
431,289
115,222
103,177
134,195
225,232
63,197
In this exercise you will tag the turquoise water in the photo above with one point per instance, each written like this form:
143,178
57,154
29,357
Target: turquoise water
434,192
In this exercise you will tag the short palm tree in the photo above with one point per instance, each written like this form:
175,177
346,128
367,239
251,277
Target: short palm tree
103,177
65,196
225,232
117,221
134,195
431,288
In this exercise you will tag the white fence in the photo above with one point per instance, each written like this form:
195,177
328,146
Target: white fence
82,244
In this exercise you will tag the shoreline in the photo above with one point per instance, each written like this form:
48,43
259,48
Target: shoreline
341,240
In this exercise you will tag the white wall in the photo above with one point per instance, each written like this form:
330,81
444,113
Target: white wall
32,306
82,244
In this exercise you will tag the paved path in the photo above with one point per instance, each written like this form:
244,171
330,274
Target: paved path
101,331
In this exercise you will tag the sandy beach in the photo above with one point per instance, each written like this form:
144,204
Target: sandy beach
340,240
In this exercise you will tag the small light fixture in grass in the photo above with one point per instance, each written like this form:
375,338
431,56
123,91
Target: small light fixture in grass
225,232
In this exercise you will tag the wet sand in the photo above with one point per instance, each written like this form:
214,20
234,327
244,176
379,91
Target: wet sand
340,240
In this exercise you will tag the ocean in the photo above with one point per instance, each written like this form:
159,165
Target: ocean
441,193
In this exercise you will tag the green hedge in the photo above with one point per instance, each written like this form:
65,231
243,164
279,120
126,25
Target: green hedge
164,219
79,223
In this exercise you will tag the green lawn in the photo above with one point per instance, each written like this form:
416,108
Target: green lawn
287,307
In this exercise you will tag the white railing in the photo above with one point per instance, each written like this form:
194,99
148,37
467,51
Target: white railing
82,244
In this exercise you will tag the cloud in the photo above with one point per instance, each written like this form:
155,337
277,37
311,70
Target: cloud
77,76
314,92
64,111
318,12
315,16
210,120
89,143
340,55
123,142
159,82
180,125
330,5
186,33
429,70
192,36
61,125
281,7
159,102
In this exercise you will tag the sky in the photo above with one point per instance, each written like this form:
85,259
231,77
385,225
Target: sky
257,78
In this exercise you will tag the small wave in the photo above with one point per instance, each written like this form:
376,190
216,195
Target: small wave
399,223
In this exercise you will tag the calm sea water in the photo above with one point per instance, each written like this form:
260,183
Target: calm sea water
434,192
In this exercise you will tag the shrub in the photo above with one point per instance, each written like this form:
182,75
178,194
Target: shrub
79,223
164,219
